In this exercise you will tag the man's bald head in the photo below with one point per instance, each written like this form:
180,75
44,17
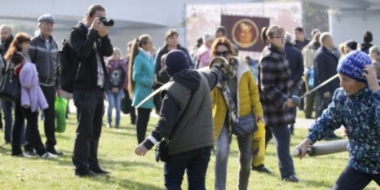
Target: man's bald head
6,32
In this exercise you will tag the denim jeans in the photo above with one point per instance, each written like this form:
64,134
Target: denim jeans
7,107
222,153
195,162
114,101
281,138
323,103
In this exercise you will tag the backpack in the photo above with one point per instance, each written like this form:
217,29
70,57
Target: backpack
67,66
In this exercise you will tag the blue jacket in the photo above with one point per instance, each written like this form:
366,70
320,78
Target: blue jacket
325,63
360,115
295,59
143,76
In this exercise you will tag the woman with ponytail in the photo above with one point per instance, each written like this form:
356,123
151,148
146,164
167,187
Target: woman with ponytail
141,78
274,75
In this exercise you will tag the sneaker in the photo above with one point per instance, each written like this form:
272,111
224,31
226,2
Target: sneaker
48,155
109,125
261,169
22,155
55,152
291,178
87,173
30,153
99,171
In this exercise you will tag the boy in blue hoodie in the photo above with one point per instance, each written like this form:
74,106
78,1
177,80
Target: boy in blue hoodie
356,106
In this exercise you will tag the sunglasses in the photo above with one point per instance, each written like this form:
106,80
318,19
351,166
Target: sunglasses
222,54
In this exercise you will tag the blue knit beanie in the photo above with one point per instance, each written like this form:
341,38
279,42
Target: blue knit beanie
175,62
352,65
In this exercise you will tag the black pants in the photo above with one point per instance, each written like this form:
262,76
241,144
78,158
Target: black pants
268,135
90,110
351,179
49,121
142,121
32,132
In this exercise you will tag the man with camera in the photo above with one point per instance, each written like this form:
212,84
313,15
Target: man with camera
89,39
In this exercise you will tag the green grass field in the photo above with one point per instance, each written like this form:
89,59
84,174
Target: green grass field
129,171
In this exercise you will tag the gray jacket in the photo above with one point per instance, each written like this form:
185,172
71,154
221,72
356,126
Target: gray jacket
186,114
46,60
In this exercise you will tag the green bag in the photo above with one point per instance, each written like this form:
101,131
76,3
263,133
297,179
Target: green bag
60,114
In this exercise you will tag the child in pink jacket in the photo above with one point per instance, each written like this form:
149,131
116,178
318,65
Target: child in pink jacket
32,101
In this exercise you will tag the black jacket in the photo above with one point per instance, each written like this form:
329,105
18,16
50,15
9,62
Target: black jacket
300,45
83,45
325,64
164,51
295,59
187,111
4,46
364,47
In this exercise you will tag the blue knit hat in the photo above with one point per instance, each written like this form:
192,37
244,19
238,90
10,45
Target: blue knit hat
352,65
175,62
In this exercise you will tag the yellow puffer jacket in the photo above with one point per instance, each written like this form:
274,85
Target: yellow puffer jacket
248,98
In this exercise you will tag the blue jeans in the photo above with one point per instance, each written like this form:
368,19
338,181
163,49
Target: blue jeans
8,119
323,103
195,162
222,154
281,138
114,101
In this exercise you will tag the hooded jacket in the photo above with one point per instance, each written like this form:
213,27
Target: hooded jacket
186,114
31,93
360,115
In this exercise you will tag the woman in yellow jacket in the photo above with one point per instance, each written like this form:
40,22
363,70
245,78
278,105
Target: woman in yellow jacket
245,94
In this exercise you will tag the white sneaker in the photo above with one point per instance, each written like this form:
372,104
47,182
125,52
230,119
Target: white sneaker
48,155
25,155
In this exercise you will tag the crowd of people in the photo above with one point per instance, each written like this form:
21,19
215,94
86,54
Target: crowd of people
204,102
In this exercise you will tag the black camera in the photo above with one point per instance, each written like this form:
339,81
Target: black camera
106,22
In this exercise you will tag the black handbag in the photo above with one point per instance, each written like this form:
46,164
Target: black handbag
126,105
244,125
162,151
10,88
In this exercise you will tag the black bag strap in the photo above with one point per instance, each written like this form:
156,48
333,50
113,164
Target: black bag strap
181,117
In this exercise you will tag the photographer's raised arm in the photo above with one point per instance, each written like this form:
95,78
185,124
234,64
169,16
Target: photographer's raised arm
107,48
82,46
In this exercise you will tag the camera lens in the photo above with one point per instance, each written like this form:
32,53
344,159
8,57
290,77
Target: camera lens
111,22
